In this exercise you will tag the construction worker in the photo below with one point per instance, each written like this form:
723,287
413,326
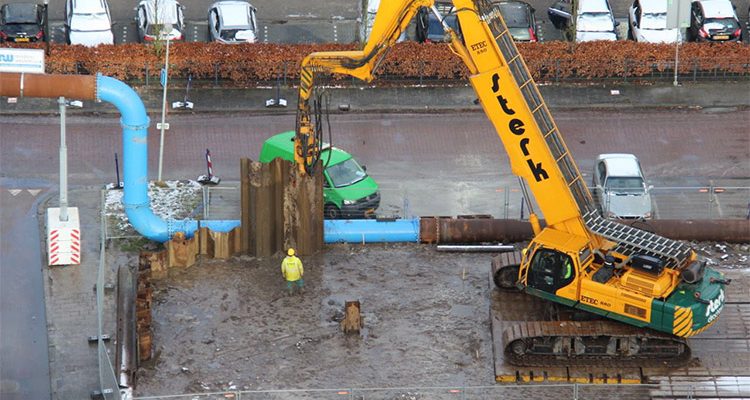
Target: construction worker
292,270
568,269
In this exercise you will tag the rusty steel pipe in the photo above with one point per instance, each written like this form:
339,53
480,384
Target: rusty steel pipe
461,230
79,87
701,230
464,230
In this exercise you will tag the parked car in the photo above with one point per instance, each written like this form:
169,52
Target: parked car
560,13
21,22
348,192
88,22
621,189
520,20
713,21
647,22
232,21
430,29
595,21
152,15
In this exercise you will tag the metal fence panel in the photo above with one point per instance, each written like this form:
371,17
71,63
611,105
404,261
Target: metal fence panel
668,388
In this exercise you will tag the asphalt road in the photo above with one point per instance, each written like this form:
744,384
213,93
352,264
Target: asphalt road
24,369
456,158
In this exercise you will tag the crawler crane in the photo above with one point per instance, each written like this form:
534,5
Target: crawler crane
653,292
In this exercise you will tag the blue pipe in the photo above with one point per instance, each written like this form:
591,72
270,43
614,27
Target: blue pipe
135,123
371,231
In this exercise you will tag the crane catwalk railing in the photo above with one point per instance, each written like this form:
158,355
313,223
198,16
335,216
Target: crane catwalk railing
630,241
539,109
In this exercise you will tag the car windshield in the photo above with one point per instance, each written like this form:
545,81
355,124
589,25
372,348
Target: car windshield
515,15
236,16
346,173
625,185
20,14
654,21
90,22
728,24
166,13
595,22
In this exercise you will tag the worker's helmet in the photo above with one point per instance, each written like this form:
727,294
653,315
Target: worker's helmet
290,251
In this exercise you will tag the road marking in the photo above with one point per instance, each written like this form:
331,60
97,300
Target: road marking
33,192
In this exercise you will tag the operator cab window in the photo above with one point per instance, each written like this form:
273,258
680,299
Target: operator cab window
550,270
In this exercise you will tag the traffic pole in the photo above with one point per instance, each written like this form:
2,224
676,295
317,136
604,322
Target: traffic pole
210,178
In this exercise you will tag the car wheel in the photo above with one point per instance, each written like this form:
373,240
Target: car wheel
331,212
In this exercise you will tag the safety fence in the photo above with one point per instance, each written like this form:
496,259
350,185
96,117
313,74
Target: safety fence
109,387
716,201
715,388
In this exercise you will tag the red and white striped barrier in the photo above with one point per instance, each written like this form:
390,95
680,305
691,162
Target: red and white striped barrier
63,238
210,178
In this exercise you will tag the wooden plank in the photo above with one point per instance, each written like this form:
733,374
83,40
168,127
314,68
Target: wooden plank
244,247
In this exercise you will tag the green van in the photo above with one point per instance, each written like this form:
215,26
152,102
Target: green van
348,192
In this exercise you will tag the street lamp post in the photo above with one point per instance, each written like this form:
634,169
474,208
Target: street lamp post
63,162
164,80
63,104
46,26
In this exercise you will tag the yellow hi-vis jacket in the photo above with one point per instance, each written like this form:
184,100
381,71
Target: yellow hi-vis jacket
292,269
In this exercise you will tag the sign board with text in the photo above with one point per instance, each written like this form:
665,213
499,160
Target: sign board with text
29,61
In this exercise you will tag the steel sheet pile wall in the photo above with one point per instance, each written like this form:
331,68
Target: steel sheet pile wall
281,208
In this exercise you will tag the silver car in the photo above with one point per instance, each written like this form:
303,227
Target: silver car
647,22
159,20
88,22
232,21
594,21
620,188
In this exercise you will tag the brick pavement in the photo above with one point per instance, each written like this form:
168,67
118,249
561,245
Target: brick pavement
71,305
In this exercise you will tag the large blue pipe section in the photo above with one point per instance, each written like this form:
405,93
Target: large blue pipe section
134,123
371,231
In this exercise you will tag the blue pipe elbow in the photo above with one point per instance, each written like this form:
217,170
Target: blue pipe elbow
134,121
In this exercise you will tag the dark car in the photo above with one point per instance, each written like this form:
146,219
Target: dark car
713,21
430,29
21,22
520,20
560,13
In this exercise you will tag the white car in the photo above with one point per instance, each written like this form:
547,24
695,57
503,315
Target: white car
152,15
647,22
594,21
232,21
620,187
88,22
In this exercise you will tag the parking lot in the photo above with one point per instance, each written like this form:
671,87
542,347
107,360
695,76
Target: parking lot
296,21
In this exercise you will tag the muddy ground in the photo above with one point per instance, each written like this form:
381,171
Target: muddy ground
228,325
221,325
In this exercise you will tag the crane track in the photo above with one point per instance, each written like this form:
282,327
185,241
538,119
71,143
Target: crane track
590,343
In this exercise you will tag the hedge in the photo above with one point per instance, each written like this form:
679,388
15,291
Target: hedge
249,64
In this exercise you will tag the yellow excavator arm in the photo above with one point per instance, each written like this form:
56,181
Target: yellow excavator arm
392,18
504,87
